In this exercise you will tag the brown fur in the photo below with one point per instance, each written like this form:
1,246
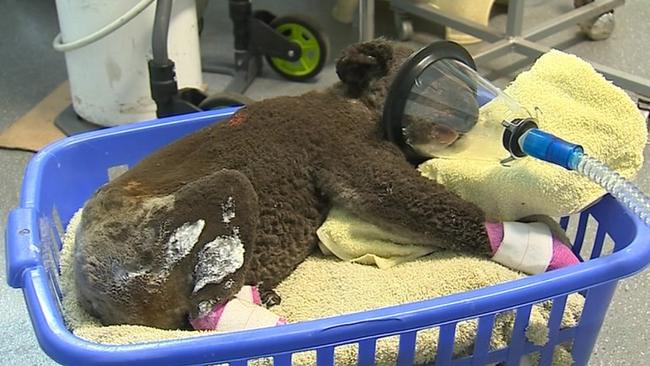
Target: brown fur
284,161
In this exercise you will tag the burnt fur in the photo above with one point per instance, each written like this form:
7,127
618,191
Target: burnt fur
284,161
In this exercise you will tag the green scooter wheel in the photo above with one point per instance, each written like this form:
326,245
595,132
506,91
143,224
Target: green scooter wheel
313,43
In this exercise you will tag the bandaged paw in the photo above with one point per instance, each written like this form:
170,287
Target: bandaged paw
528,247
243,312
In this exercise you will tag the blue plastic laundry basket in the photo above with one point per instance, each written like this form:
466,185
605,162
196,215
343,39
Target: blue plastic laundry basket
60,178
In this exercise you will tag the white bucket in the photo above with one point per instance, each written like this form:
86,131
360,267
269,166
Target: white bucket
109,79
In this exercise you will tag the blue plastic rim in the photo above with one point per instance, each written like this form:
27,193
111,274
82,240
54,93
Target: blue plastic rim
61,177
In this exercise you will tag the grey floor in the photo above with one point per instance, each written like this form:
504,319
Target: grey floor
30,69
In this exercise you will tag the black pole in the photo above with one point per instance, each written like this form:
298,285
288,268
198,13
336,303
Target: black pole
240,13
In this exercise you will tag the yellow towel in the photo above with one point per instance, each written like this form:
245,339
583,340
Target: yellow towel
322,287
575,103
349,238
352,239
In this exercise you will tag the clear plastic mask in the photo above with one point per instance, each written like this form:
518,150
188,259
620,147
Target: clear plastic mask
451,111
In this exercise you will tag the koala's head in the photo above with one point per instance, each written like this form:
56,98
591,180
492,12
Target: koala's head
367,69
154,261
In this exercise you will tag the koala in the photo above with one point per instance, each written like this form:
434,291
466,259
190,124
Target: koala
239,202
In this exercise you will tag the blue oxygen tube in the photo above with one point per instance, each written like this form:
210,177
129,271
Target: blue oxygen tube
550,148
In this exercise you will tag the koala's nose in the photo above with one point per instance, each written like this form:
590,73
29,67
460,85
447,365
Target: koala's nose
444,135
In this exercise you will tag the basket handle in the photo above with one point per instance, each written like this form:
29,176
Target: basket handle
21,244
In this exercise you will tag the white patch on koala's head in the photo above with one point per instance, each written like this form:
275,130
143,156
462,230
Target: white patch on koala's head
228,210
178,246
218,259
182,240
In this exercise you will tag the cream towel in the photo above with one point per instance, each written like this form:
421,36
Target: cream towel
352,239
348,287
575,103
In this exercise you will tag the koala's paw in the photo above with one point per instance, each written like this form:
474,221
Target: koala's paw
270,298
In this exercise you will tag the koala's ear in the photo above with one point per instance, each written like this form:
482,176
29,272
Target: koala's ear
361,63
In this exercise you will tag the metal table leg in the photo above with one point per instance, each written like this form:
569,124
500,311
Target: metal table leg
624,80
463,25
515,23
498,49
517,40
571,18
366,20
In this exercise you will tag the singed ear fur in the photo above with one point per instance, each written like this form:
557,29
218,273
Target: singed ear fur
359,64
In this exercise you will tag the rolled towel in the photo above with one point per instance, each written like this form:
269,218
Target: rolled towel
244,311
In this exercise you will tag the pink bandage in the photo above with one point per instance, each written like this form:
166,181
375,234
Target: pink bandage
517,250
244,311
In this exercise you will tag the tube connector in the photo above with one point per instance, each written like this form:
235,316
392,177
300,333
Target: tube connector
514,130
545,146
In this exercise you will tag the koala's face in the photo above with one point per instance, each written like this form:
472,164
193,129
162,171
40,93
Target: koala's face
142,300
367,69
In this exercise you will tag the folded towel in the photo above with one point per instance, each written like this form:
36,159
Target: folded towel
577,104
344,288
352,239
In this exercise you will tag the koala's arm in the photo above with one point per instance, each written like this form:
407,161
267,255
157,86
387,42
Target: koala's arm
383,188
